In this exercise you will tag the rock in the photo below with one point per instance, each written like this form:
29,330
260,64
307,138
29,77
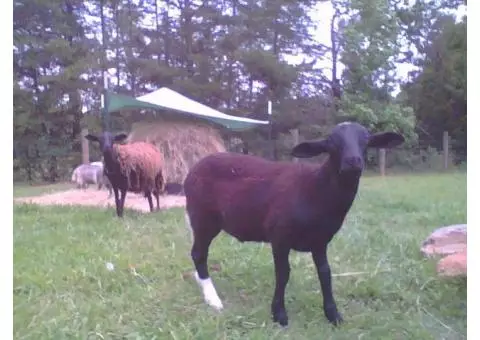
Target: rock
450,243
446,241
453,265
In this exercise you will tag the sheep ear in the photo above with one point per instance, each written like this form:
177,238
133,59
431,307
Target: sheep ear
385,140
120,137
91,138
310,149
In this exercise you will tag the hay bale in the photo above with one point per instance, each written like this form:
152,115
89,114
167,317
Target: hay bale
183,143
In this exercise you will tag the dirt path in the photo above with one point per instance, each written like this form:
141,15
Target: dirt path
94,197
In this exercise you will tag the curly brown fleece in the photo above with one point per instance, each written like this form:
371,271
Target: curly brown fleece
142,163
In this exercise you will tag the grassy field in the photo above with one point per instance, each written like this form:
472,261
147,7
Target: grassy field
62,289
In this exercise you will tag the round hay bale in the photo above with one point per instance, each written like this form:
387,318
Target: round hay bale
183,143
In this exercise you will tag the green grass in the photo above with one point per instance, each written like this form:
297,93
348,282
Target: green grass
62,289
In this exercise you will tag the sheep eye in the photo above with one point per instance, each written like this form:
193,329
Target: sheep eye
364,140
334,142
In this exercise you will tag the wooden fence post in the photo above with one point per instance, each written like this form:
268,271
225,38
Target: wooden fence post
85,151
295,138
446,147
382,161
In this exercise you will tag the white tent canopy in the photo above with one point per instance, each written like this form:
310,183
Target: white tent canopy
165,98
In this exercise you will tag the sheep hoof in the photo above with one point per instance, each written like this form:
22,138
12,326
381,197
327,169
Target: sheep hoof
281,317
215,304
209,292
333,316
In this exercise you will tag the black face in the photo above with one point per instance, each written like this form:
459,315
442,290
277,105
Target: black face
106,140
346,146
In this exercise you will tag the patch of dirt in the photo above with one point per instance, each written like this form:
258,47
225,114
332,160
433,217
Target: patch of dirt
95,197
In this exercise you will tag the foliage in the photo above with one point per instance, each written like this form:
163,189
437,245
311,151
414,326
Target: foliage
439,92
380,116
370,46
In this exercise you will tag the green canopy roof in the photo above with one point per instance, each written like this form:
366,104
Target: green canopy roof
167,99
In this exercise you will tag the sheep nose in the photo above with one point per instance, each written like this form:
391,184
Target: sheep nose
353,163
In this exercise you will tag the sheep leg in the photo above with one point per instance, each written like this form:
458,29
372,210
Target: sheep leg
157,198
158,189
199,253
148,196
117,201
282,274
123,193
325,277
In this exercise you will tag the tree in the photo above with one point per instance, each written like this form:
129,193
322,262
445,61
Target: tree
438,93
369,51
51,59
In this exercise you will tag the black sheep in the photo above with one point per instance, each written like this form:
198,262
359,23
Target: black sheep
290,205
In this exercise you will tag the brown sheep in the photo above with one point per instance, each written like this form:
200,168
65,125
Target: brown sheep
135,167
